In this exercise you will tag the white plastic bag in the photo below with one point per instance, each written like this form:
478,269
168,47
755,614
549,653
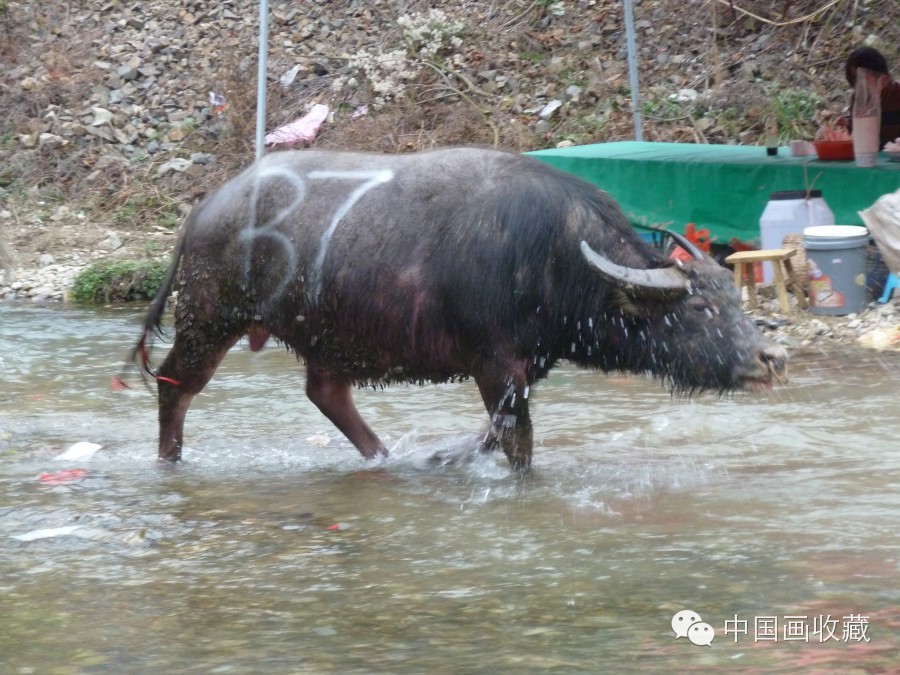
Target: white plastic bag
883,221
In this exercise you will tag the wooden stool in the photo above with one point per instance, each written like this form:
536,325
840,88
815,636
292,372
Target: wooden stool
743,274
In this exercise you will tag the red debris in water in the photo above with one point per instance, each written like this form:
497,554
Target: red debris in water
62,477
116,383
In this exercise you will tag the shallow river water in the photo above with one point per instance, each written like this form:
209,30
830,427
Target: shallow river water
275,548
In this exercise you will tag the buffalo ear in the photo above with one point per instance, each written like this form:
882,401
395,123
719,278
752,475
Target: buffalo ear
689,246
626,303
659,283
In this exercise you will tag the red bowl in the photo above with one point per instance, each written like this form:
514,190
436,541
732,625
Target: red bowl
834,150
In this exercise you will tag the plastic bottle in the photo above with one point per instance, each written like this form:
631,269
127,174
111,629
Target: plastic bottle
772,136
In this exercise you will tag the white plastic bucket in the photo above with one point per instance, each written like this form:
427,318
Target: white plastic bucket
837,268
790,212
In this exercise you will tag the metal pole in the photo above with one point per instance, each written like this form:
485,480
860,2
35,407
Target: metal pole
261,78
632,71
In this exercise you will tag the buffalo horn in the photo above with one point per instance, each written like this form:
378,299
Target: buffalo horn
660,279
687,245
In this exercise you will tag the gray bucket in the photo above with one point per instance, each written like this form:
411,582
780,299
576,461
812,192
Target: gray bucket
837,268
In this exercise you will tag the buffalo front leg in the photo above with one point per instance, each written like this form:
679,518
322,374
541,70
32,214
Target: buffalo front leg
333,397
185,371
505,397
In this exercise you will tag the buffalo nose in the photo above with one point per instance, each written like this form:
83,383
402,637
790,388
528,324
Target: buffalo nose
775,359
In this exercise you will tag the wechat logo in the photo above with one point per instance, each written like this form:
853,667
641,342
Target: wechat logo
687,623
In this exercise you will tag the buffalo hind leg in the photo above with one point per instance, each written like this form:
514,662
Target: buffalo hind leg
332,395
186,370
505,397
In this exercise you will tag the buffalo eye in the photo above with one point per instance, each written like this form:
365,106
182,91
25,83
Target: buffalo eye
700,304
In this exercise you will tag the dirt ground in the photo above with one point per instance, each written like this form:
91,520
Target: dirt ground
29,241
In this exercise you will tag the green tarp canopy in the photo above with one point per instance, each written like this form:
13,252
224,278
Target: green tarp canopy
721,187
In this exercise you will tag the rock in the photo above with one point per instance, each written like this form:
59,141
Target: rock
41,294
819,326
175,164
287,79
30,84
123,137
127,73
195,171
102,132
176,134
112,242
46,140
685,95
115,82
548,110
101,116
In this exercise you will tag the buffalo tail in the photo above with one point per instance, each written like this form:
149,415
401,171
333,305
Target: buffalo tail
153,320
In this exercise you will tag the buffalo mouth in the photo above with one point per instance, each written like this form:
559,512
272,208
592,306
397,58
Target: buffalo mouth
772,370
758,385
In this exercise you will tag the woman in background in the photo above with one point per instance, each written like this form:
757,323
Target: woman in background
873,60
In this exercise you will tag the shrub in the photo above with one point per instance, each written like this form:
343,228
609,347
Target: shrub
795,111
118,281
427,37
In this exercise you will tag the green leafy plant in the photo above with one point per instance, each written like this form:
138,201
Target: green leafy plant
535,56
111,281
663,108
795,110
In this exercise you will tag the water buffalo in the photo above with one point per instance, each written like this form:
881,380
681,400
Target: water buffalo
434,267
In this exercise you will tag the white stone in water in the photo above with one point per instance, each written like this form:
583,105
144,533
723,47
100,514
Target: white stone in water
47,533
80,450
